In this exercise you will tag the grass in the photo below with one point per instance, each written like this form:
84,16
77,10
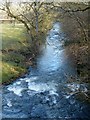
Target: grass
15,45
13,36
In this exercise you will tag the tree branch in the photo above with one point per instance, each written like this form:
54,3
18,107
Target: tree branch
10,14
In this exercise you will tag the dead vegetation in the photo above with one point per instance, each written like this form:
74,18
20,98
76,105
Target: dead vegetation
76,26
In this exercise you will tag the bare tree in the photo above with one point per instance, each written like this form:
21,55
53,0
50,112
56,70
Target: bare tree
75,11
29,13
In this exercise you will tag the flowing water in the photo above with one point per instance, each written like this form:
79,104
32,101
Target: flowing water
44,92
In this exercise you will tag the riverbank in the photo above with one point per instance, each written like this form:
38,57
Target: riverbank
75,26
16,52
79,54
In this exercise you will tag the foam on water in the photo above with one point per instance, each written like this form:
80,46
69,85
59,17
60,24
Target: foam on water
9,104
16,89
32,79
51,92
74,87
42,87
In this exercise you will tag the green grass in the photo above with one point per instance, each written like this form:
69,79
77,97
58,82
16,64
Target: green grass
14,48
13,36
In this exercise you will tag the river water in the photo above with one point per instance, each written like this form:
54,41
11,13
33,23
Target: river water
45,92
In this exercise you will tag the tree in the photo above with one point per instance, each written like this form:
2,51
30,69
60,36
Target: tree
31,14
76,12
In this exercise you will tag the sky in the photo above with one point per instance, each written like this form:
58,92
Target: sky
16,1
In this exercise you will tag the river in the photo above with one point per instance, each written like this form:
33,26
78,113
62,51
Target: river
44,92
